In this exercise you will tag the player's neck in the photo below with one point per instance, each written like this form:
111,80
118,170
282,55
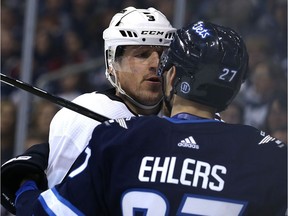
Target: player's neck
186,106
138,110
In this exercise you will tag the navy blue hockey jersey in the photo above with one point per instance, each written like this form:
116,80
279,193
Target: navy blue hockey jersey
153,167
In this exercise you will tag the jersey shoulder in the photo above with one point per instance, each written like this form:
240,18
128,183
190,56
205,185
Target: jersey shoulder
132,122
130,126
238,131
258,137
96,102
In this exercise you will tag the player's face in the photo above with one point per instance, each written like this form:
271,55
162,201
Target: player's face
136,71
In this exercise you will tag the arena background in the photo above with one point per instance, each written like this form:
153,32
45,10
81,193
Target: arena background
57,45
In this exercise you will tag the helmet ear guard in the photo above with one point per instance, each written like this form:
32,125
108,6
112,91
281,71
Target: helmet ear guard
211,63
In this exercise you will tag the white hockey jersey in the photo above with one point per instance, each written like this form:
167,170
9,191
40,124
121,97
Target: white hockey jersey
70,132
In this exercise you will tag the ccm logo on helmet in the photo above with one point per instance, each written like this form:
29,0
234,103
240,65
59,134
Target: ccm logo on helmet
199,29
152,33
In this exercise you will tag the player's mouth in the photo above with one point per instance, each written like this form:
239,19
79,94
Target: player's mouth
154,79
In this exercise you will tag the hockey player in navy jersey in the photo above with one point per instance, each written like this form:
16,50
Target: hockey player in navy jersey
187,164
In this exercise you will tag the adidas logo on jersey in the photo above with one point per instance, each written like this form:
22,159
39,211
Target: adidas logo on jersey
188,142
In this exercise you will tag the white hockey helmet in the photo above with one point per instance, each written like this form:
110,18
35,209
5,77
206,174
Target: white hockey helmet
133,26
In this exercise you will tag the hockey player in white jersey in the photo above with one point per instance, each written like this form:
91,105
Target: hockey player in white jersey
134,41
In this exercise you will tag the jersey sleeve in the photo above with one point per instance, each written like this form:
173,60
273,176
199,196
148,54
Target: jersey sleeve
78,194
70,132
81,191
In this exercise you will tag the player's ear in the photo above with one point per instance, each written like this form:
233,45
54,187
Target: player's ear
169,79
171,75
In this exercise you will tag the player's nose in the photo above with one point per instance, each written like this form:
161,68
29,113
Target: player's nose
154,61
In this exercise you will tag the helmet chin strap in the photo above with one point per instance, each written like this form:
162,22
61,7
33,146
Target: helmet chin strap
121,91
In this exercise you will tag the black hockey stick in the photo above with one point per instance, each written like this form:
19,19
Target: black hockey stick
57,100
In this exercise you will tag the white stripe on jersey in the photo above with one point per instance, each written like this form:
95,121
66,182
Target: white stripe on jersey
83,166
266,139
54,204
122,123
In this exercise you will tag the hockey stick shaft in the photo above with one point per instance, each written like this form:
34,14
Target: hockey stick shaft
54,99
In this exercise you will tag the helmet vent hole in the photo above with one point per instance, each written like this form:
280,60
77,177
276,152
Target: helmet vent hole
143,39
169,35
123,33
130,33
160,40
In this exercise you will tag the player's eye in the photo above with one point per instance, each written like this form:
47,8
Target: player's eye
144,54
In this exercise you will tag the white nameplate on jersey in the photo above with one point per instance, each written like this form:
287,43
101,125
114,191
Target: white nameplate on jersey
203,174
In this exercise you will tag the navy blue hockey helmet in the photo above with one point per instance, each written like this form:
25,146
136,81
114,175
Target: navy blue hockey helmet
211,63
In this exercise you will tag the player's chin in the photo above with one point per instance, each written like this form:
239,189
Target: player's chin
151,97
151,89
152,86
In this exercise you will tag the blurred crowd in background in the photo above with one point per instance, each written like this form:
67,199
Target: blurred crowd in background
69,32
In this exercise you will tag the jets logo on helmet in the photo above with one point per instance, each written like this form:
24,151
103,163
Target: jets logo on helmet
199,29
